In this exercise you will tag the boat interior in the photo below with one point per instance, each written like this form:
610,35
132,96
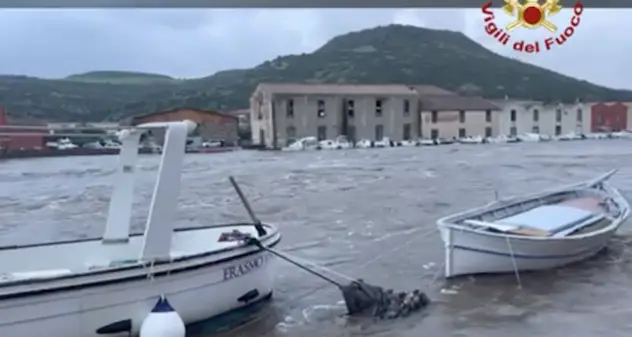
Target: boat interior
561,214
59,259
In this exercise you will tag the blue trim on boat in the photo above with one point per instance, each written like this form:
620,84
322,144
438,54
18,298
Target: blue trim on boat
522,256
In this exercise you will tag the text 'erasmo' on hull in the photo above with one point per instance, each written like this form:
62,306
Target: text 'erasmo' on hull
531,14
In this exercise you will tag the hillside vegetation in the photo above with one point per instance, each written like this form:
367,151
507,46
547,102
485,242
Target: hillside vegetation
391,54
120,77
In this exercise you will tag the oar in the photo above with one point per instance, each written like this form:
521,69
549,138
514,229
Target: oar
258,226
258,243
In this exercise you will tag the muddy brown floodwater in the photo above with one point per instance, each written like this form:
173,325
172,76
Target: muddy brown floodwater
343,208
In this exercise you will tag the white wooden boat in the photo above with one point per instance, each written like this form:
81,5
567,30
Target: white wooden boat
471,140
627,134
428,142
62,144
384,142
364,144
107,286
545,230
410,143
503,139
340,142
569,136
303,144
531,137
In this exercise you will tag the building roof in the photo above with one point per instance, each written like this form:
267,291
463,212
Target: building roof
156,113
432,97
431,90
237,113
336,89
455,102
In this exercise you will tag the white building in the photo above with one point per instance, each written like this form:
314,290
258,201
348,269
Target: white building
517,117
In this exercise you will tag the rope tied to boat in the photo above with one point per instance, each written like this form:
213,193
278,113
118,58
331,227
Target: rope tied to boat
361,298
513,261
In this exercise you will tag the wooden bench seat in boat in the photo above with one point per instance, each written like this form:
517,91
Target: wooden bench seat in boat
548,220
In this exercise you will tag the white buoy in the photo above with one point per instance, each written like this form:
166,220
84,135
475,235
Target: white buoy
162,321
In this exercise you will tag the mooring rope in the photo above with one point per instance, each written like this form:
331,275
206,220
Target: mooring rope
513,261
355,269
284,256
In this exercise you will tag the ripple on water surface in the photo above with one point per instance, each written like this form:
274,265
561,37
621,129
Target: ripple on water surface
343,208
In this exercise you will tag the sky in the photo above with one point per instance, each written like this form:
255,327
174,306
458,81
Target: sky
186,43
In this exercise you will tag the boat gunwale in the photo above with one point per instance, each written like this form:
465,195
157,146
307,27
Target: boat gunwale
269,240
446,222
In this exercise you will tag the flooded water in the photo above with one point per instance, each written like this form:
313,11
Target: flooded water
343,209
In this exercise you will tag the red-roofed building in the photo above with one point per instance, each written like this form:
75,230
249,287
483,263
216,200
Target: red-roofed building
24,137
608,117
212,125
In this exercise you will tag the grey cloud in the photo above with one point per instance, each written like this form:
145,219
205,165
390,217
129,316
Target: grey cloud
193,43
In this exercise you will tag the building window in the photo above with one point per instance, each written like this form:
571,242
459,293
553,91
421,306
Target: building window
262,137
488,132
322,132
378,108
461,116
350,108
407,128
513,131
462,133
351,133
434,133
558,130
580,115
488,116
513,115
290,132
558,115
406,107
599,119
535,129
259,116
434,117
321,108
536,115
289,108
379,132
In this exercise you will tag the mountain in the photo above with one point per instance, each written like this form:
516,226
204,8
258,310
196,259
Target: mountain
389,54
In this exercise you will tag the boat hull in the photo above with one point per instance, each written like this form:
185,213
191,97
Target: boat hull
197,294
470,252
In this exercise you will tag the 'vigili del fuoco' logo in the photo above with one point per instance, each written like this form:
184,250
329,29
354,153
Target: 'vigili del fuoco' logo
531,14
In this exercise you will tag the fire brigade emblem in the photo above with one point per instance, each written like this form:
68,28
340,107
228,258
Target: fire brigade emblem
531,14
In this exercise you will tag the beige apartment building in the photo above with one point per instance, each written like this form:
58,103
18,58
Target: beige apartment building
282,113
519,116
454,116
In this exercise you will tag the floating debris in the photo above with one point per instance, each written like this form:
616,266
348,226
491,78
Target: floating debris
363,299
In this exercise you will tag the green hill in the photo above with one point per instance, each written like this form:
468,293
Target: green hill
120,77
391,54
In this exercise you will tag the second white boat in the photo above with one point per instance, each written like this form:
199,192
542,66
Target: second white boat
541,231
